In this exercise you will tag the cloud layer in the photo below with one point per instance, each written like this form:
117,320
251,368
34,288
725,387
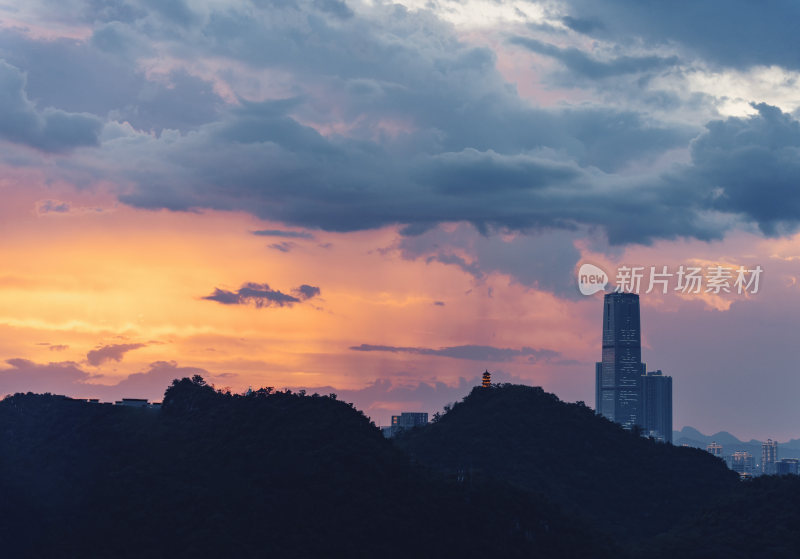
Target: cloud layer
372,116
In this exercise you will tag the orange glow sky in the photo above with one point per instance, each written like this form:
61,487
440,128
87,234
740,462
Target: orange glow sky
106,274
438,172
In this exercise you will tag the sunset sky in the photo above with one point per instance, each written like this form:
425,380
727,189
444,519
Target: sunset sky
383,200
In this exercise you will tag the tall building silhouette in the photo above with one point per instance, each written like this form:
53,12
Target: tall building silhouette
657,406
618,376
769,456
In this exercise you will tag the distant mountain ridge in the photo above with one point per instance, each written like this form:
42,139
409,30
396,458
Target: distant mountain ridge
730,444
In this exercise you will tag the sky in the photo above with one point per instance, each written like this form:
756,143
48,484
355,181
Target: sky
382,200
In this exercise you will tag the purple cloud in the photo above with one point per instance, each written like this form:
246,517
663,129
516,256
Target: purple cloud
261,295
111,352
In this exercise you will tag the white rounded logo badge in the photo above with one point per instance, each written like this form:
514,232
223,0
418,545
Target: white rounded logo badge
591,279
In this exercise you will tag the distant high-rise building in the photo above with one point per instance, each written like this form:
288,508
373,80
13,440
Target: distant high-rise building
405,420
714,448
787,466
742,462
769,455
487,380
618,376
657,406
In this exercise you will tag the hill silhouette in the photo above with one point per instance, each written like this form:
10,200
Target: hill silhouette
626,485
268,474
760,518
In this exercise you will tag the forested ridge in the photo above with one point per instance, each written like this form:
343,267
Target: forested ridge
511,471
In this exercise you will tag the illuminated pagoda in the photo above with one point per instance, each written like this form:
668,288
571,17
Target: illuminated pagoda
487,379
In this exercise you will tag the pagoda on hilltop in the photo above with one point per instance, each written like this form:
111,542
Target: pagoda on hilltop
487,380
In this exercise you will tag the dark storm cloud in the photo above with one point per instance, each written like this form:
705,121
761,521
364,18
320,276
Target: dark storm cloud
736,33
469,352
100,77
541,259
753,164
47,129
434,132
113,352
589,67
262,161
261,295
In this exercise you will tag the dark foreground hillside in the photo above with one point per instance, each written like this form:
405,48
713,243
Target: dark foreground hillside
760,519
627,486
263,475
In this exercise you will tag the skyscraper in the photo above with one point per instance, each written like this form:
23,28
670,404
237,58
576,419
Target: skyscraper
619,375
769,455
657,406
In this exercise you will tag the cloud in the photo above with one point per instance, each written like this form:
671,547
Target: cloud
113,352
48,129
69,379
261,295
26,376
323,116
153,381
709,30
53,347
284,234
61,208
542,259
586,66
52,206
753,164
102,76
470,352
407,156
307,291
282,247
